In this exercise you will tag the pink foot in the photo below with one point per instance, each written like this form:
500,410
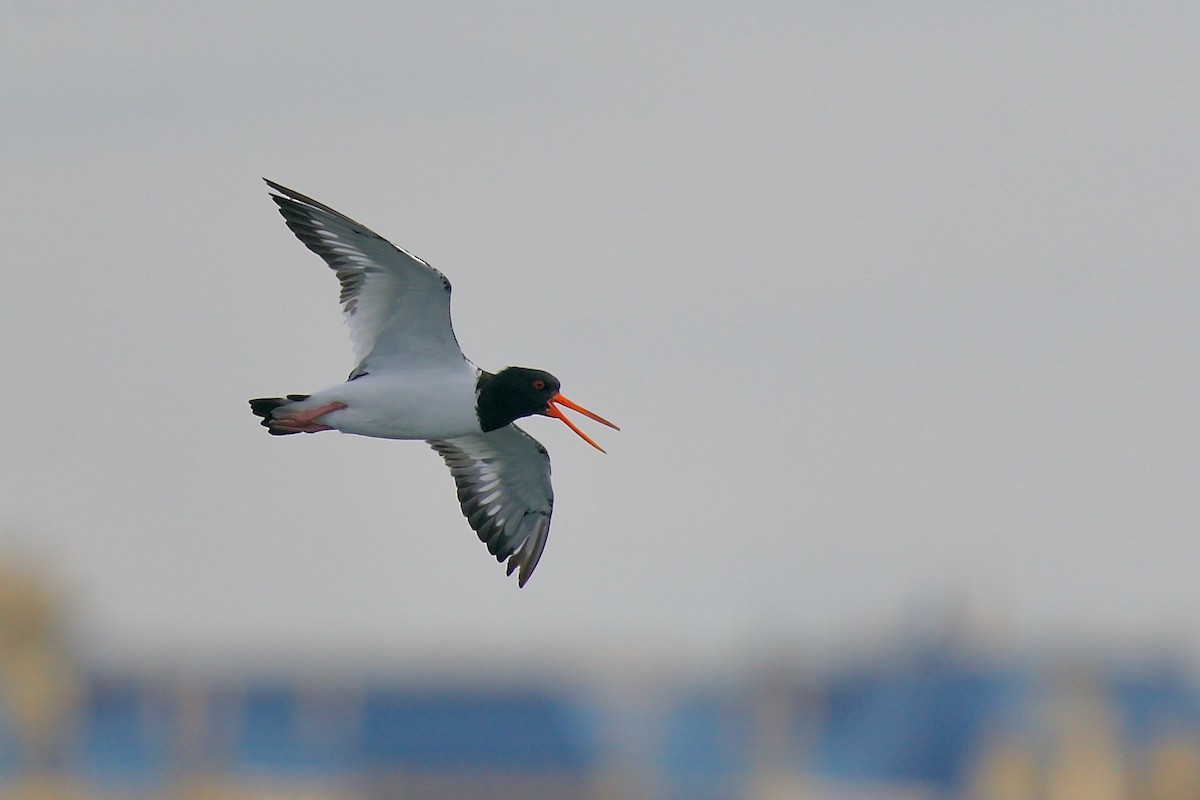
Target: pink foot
306,421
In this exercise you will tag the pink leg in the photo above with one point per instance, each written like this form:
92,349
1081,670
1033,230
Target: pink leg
306,421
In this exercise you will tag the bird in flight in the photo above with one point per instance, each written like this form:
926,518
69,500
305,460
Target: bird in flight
413,382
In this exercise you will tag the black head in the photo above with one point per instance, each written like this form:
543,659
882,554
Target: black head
512,393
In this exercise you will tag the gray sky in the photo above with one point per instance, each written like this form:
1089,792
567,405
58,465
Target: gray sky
892,302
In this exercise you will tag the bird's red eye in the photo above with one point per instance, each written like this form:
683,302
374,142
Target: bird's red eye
539,384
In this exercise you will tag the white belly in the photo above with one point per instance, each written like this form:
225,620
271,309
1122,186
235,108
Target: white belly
411,405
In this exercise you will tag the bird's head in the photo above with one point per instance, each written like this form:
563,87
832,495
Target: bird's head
516,392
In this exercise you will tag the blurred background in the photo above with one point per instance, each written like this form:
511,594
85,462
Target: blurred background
895,305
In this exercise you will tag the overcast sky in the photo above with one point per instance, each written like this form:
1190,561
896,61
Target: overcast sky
892,301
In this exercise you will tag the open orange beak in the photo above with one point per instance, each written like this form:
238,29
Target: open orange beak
553,410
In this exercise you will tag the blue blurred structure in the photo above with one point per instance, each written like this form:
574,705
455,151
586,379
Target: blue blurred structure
918,720
707,747
523,729
124,734
936,724
934,720
136,737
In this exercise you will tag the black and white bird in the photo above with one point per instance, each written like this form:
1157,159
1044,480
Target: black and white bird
413,382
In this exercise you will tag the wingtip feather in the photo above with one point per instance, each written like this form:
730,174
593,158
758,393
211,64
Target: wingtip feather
531,553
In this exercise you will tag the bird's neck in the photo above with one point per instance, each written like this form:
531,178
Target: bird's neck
492,404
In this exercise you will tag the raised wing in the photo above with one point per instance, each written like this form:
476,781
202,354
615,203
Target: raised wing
503,480
397,306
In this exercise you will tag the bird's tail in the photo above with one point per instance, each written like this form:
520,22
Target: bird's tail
265,407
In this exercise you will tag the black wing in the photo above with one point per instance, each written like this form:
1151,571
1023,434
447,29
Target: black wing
503,480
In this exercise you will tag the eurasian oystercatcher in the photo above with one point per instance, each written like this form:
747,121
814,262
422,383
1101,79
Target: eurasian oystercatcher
413,382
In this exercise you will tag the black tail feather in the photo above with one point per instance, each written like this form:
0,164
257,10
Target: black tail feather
265,407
